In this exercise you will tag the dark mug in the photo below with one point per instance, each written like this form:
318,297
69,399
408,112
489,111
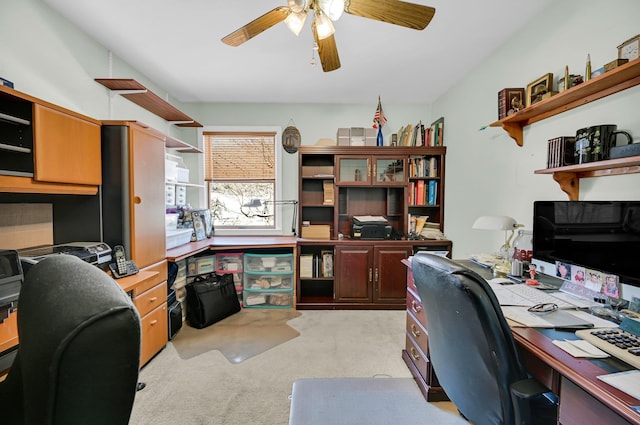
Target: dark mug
593,143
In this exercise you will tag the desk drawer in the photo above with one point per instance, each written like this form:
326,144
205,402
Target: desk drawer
419,359
417,332
154,332
151,299
414,305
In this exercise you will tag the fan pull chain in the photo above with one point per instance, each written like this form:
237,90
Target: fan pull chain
313,53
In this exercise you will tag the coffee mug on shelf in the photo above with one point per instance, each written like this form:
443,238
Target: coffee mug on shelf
593,143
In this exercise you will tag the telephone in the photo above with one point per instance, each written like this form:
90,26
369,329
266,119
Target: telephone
122,267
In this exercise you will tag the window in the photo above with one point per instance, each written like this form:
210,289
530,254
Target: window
241,174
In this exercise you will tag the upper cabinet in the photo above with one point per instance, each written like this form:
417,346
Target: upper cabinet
614,81
46,148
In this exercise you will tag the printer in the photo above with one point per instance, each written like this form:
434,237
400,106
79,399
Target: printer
11,278
95,253
370,227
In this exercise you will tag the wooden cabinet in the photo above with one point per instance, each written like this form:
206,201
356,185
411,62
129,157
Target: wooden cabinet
614,81
133,216
67,148
148,291
416,352
371,274
46,148
340,182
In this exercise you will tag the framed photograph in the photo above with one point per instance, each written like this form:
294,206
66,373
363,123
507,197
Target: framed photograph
202,224
538,88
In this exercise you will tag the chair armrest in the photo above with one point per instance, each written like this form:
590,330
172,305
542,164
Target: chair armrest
529,395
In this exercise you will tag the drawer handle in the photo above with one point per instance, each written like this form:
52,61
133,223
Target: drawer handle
153,322
415,331
153,299
414,354
417,308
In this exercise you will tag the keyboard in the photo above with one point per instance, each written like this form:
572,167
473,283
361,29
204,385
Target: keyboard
536,296
618,342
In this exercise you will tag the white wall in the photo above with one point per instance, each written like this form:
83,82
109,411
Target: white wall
47,57
487,173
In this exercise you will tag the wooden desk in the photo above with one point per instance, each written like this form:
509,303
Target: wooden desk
584,399
230,242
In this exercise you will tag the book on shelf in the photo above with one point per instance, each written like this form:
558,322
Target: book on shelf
433,167
420,222
306,265
328,194
420,192
432,192
327,263
510,100
436,132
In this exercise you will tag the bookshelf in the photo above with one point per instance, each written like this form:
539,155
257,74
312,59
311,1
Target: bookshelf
378,181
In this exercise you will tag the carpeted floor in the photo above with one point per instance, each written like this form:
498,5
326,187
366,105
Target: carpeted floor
240,336
370,401
207,389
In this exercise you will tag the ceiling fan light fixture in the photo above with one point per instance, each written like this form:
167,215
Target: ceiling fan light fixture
324,27
332,8
299,6
295,21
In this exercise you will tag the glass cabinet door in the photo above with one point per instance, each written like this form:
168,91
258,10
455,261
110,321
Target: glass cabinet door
354,170
389,171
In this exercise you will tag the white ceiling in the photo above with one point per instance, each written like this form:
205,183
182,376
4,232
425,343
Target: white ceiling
177,45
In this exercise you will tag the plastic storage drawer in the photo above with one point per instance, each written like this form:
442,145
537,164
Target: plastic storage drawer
269,263
267,298
201,265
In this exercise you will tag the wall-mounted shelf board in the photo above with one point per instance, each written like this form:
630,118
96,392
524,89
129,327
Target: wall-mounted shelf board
180,146
148,100
614,81
568,177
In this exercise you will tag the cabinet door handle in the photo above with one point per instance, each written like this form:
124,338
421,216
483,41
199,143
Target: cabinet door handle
414,354
153,322
137,200
417,308
376,275
153,299
415,331
368,168
370,272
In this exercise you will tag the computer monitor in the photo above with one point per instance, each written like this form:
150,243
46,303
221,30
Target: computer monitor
598,236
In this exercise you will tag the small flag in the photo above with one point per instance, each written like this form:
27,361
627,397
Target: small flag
378,118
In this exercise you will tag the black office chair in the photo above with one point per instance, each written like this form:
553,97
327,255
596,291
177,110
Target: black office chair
472,348
79,352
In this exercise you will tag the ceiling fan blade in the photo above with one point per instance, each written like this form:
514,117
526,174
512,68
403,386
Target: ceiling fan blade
327,51
395,12
256,26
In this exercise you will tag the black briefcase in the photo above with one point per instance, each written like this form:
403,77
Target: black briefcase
211,298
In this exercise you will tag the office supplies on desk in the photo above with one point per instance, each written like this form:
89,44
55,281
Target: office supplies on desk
581,348
557,319
628,381
622,342
523,295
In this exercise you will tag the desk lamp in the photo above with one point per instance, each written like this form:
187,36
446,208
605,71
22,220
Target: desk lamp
499,222
257,203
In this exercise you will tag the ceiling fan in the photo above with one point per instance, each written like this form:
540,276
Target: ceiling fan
294,15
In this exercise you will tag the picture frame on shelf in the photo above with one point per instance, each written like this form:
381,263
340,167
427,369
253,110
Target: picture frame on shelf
537,89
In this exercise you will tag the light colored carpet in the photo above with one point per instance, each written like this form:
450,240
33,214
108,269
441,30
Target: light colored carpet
240,336
370,401
207,389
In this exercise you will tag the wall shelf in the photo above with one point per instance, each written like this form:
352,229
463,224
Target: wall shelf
180,146
614,81
140,95
568,177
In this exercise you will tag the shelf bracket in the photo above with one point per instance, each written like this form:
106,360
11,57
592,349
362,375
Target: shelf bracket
569,183
515,131
123,92
181,122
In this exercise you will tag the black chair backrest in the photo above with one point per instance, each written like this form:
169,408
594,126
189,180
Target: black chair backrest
79,351
471,346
